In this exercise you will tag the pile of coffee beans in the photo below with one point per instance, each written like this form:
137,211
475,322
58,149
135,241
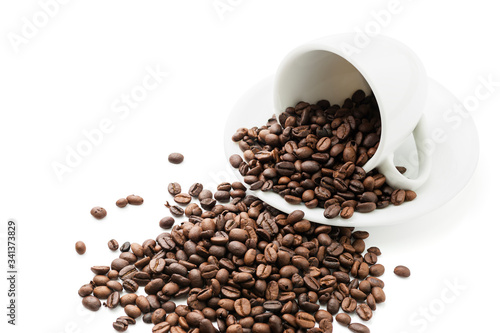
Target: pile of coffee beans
244,265
314,155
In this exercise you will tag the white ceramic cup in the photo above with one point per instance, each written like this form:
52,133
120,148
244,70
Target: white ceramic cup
322,69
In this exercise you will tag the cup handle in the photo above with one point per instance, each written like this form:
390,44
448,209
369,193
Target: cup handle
397,180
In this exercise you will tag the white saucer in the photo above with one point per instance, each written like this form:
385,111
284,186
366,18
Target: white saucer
453,160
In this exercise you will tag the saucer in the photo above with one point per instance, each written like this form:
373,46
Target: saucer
453,146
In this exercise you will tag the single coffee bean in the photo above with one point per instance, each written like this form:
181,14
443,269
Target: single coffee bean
332,211
175,158
113,300
163,327
304,320
379,294
91,302
167,222
349,304
132,311
398,197
242,307
98,212
195,189
113,245
410,195
175,210
122,202
182,198
364,312
174,188
358,328
86,290
135,200
343,319
120,326
235,160
402,271
377,270
125,247
80,247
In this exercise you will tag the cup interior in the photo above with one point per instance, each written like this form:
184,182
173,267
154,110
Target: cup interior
314,75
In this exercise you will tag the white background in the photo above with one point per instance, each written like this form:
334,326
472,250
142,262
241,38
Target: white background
67,75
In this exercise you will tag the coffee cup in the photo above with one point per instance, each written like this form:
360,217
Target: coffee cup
323,69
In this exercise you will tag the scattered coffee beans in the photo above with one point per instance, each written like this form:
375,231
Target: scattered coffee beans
402,271
244,265
98,212
80,247
175,158
314,154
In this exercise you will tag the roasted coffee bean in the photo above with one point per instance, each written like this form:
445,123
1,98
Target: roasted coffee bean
167,222
80,247
125,247
195,189
398,197
113,300
91,302
175,210
343,319
175,158
402,271
235,160
304,320
332,211
364,312
162,327
242,307
120,326
122,202
182,198
410,195
379,294
174,188
135,200
98,212
132,311
349,304
113,245
130,285
377,270
358,328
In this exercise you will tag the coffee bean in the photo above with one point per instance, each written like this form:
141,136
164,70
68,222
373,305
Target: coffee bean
364,312
332,211
174,188
242,307
410,195
122,202
113,300
304,320
398,197
91,302
349,304
132,311
402,271
358,328
162,327
377,270
167,222
135,200
80,247
379,294
366,207
175,210
120,326
113,245
125,247
175,158
98,212
195,189
235,160
182,198
343,319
